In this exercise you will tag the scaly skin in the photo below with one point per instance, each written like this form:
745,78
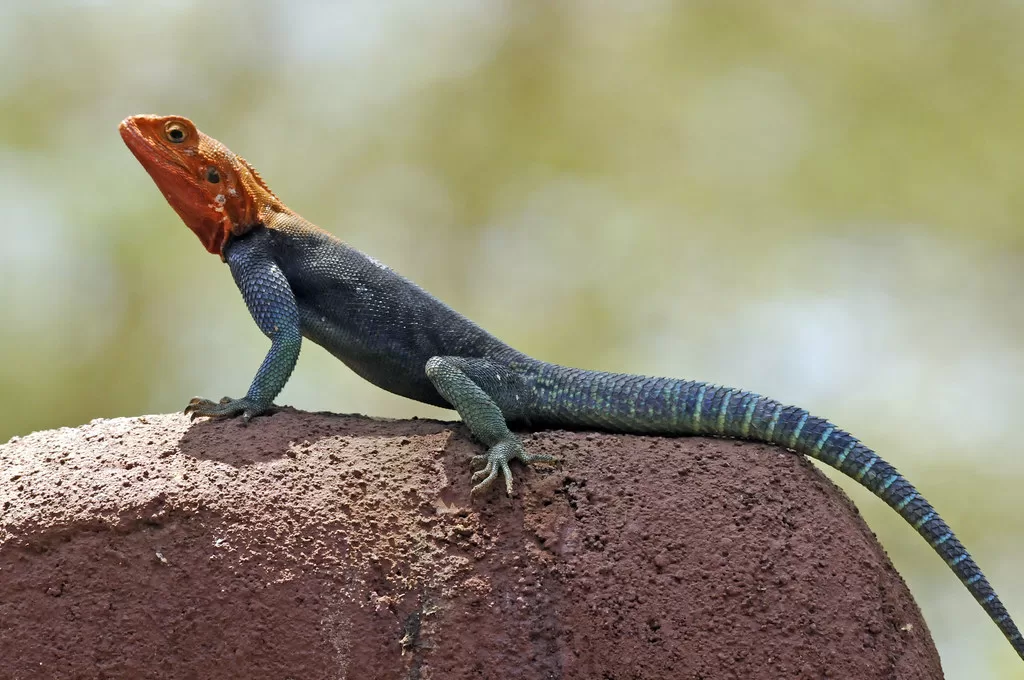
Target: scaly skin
300,281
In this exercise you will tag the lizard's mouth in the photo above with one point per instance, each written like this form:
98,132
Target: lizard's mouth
132,136
140,145
129,130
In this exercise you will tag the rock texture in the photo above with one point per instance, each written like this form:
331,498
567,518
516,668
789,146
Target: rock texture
325,546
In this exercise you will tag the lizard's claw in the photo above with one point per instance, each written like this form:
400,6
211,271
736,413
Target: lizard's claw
496,460
225,408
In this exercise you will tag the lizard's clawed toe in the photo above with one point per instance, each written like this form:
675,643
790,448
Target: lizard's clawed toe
496,462
196,407
487,475
537,458
225,408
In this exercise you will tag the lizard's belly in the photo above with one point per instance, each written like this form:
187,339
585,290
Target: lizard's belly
380,361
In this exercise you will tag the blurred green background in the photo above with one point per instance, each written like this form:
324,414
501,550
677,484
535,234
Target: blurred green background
817,200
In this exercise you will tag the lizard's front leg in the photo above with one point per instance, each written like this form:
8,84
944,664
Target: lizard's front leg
272,304
474,387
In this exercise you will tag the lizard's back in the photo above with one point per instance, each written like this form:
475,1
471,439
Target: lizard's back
380,324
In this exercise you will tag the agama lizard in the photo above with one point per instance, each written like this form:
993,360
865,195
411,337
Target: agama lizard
300,281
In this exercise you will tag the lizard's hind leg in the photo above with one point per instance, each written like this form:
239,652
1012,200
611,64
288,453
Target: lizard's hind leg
485,394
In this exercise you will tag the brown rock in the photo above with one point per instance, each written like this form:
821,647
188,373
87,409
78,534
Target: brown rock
323,546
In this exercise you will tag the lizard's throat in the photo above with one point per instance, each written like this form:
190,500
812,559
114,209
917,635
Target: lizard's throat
212,228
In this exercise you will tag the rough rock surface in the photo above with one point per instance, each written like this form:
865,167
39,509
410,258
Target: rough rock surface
325,546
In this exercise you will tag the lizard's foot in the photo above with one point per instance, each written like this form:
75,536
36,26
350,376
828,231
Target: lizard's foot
496,460
225,408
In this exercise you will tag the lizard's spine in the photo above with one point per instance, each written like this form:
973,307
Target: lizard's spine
638,404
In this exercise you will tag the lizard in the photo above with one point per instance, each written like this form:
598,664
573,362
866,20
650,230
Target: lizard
300,281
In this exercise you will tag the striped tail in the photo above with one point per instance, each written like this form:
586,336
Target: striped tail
794,428
638,404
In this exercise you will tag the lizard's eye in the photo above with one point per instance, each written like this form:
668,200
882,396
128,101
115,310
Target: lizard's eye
212,176
176,132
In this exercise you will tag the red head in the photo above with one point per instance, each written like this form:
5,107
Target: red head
215,192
